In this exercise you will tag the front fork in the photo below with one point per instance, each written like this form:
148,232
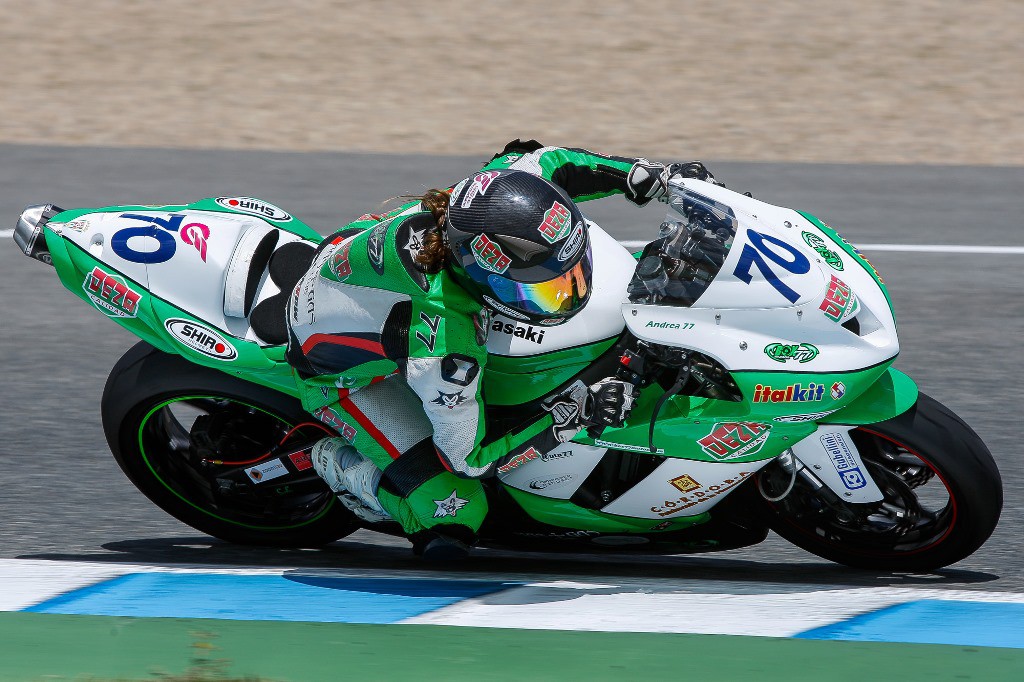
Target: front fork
829,459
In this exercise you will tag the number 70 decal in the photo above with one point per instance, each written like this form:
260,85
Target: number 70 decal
755,253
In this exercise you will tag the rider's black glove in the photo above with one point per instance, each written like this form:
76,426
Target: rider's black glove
649,180
608,403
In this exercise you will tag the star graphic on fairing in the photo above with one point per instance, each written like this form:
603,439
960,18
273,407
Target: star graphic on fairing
450,505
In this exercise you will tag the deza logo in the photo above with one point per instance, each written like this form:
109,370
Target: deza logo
556,223
254,207
111,294
489,255
840,301
729,440
200,338
162,230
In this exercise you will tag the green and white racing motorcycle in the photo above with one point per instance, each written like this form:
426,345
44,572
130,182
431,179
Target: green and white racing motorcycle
761,340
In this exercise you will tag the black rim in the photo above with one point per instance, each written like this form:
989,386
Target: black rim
178,437
918,511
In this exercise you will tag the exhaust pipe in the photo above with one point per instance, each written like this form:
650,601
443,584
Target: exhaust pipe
28,234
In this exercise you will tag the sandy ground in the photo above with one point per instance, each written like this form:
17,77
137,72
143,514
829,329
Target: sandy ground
918,81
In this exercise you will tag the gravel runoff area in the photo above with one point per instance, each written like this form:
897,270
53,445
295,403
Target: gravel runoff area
919,81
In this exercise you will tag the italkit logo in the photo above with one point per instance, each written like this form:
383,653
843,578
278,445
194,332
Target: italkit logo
255,207
794,393
783,352
200,338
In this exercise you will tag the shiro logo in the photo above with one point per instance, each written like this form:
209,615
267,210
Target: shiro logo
255,207
200,338
573,244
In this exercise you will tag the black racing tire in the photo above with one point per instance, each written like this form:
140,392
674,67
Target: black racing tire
956,462
144,391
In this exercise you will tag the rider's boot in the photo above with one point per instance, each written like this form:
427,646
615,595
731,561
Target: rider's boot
445,542
352,476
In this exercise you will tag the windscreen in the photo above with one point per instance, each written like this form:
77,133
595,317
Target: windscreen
692,244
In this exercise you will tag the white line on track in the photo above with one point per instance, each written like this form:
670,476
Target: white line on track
914,248
907,248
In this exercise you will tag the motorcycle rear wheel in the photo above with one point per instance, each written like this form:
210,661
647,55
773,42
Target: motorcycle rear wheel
150,406
943,497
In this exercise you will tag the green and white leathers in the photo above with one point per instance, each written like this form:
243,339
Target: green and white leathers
381,343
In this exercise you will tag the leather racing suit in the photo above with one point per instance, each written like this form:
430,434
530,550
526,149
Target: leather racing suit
392,358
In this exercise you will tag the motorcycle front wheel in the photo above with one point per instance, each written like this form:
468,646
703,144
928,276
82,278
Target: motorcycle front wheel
943,496
165,419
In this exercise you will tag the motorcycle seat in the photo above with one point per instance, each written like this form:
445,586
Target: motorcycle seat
286,267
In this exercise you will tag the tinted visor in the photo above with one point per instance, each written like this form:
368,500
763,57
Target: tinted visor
561,295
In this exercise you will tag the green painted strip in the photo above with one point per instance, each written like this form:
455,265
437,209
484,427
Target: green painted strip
37,646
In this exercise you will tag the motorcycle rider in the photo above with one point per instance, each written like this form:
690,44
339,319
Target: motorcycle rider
387,332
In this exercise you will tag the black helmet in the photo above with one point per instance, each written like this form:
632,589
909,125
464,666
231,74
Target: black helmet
520,245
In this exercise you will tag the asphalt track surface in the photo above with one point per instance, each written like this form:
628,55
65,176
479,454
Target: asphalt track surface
63,497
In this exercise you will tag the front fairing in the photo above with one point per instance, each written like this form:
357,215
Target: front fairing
789,297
